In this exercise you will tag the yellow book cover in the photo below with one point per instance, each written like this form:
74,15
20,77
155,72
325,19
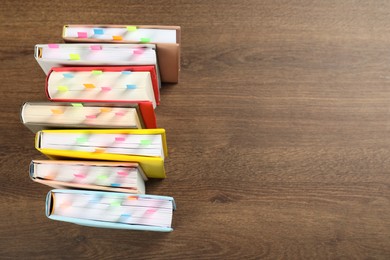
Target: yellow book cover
147,147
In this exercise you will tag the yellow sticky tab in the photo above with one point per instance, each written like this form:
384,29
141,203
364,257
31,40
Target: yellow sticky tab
89,85
74,56
131,28
57,111
117,38
105,109
62,88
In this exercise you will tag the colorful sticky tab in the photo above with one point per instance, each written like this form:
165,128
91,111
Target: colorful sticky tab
82,139
131,28
106,88
98,31
49,177
131,86
132,198
138,51
89,85
53,46
97,72
57,111
115,185
95,47
120,113
145,40
90,116
122,173
105,109
120,139
126,215
74,56
116,203
77,105
82,35
117,37
150,211
68,75
99,150
62,88
102,177
126,72
79,175
145,142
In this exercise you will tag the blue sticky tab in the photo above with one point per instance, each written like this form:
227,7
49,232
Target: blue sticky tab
115,185
68,75
129,86
98,31
126,72
125,215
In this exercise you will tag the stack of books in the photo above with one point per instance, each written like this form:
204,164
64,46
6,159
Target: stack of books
99,127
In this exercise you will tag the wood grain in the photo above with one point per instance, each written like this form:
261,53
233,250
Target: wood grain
278,132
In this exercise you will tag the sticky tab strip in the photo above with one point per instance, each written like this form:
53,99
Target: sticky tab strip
57,111
90,116
53,46
74,56
62,88
68,75
97,72
131,28
82,35
99,150
126,72
105,109
120,113
145,40
117,37
87,85
77,105
79,175
98,31
131,86
120,139
145,142
81,140
96,47
122,173
106,88
138,51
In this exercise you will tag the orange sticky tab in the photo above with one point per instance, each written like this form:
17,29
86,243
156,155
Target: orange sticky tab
89,85
99,150
57,111
132,198
105,109
117,38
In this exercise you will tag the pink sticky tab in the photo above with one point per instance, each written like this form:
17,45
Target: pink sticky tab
82,35
91,116
150,211
120,139
53,46
106,88
96,47
79,175
121,113
138,51
122,173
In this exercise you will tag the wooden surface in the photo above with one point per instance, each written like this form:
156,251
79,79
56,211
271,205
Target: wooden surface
278,132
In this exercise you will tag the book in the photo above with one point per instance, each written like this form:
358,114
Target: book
111,209
144,146
48,115
108,84
53,55
166,38
92,175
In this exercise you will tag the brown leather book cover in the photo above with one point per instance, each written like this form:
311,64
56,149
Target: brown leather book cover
168,54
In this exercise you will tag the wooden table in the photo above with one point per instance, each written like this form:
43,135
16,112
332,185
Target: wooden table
278,132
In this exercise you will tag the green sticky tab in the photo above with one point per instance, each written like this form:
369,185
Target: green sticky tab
62,88
131,28
145,40
81,140
102,177
116,204
77,105
146,142
97,72
74,56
